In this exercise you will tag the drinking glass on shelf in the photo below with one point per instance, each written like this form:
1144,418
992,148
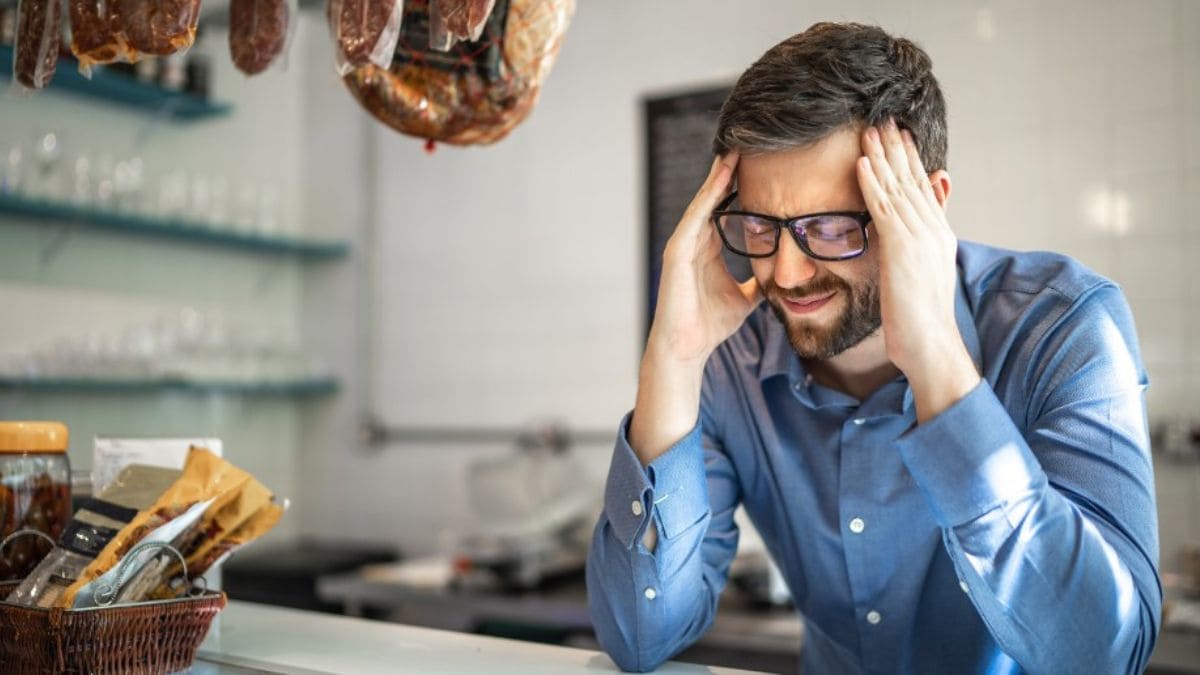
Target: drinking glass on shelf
47,167
172,194
81,183
127,184
12,170
103,177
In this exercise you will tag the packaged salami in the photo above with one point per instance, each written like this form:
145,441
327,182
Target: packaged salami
39,35
159,27
170,580
365,32
97,36
216,533
453,20
259,32
205,478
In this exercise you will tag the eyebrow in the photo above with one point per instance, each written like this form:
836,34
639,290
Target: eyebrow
738,205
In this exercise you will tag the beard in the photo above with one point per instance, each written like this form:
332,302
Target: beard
858,320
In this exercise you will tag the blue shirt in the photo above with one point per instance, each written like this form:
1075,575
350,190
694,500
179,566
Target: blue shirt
1014,532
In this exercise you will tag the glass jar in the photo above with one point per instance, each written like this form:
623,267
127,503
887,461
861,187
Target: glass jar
35,491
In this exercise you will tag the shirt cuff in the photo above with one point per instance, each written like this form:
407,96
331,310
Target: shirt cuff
970,459
674,487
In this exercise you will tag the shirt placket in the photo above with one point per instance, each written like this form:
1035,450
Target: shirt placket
855,525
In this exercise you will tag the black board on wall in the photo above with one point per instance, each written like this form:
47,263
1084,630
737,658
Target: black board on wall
679,131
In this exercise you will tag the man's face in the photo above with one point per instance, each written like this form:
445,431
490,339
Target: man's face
827,307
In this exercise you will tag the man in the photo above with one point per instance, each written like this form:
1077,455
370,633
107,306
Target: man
942,444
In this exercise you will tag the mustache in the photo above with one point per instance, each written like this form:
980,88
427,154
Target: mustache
816,287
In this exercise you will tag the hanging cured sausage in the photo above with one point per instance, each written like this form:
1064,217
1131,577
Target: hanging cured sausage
159,27
96,35
365,31
257,33
39,35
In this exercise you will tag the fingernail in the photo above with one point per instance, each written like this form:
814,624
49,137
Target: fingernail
892,123
873,134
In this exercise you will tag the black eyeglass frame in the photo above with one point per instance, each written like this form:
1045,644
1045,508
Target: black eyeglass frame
801,237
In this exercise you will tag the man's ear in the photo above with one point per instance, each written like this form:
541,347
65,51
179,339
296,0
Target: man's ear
940,181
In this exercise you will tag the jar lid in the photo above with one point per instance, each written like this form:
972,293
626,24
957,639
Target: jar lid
33,437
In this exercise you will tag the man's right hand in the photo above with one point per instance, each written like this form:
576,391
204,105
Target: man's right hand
700,304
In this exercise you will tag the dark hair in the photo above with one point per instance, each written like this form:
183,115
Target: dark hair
830,76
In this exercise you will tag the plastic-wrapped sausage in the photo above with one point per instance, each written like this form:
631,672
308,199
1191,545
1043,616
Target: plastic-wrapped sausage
459,98
39,36
96,35
257,33
365,31
454,20
159,27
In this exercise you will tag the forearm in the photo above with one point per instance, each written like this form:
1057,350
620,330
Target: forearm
946,375
668,403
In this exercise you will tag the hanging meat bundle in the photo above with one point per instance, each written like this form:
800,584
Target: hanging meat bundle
479,90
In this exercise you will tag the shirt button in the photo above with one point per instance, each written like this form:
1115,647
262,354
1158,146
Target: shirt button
636,507
874,617
857,526
859,421
963,585
651,594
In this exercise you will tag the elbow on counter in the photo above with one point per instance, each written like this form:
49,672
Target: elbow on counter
618,636
1148,622
609,580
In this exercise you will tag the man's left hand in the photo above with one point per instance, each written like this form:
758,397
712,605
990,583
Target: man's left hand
917,273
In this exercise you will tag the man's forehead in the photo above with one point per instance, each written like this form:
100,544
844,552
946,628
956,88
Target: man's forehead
816,177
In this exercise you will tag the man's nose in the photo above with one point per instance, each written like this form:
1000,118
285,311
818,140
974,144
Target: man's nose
792,266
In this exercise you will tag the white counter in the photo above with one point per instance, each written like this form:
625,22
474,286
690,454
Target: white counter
272,639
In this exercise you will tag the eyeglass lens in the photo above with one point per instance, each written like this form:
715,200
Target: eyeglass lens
829,236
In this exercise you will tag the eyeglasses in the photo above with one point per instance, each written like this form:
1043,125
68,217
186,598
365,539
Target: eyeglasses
833,235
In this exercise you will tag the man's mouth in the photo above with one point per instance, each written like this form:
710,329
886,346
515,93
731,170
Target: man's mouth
807,305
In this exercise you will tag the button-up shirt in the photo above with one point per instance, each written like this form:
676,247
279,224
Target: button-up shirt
1013,532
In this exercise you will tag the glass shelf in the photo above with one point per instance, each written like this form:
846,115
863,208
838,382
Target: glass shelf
172,229
317,386
122,89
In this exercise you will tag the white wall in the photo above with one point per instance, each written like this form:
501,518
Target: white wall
1072,128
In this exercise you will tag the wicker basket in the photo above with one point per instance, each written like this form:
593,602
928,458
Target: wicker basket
145,637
